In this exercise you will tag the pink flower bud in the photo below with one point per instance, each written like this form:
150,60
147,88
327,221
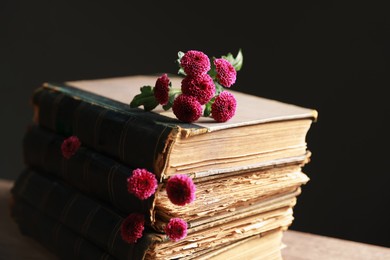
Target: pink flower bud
70,146
176,229
132,227
180,189
142,184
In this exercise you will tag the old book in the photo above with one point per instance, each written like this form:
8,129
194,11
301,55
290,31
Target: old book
100,224
56,237
219,200
66,244
98,112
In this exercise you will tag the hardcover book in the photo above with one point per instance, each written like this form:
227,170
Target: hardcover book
38,195
66,244
98,112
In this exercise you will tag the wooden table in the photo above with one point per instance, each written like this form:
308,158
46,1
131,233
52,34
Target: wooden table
300,246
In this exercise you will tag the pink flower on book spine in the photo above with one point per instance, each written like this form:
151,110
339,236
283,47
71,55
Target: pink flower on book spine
187,108
180,189
224,107
202,87
161,89
176,229
142,183
132,227
195,63
226,74
70,146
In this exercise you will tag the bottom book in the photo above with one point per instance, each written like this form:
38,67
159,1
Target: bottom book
54,213
53,235
66,244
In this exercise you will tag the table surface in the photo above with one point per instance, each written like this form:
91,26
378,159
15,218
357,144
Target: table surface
299,246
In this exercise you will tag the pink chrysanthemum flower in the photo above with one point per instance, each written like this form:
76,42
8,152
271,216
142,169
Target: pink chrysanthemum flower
142,183
187,108
176,229
226,74
181,189
224,107
202,87
195,63
70,146
132,227
161,89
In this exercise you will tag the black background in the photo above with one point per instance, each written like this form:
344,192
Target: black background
331,56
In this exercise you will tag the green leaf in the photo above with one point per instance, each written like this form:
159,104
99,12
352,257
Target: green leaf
150,104
173,92
212,72
181,72
236,62
147,90
168,105
207,108
229,57
218,88
180,55
145,98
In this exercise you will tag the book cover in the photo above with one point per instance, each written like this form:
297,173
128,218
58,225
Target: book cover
98,112
56,237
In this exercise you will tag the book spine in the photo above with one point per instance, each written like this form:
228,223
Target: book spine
128,137
92,219
53,235
95,174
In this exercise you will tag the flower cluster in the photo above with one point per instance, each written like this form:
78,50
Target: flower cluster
143,184
202,91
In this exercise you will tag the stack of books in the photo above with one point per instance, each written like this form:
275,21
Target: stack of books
222,190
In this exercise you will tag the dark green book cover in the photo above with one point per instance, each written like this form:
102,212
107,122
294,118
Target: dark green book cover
91,219
93,173
56,237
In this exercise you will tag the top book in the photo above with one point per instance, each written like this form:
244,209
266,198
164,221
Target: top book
262,132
